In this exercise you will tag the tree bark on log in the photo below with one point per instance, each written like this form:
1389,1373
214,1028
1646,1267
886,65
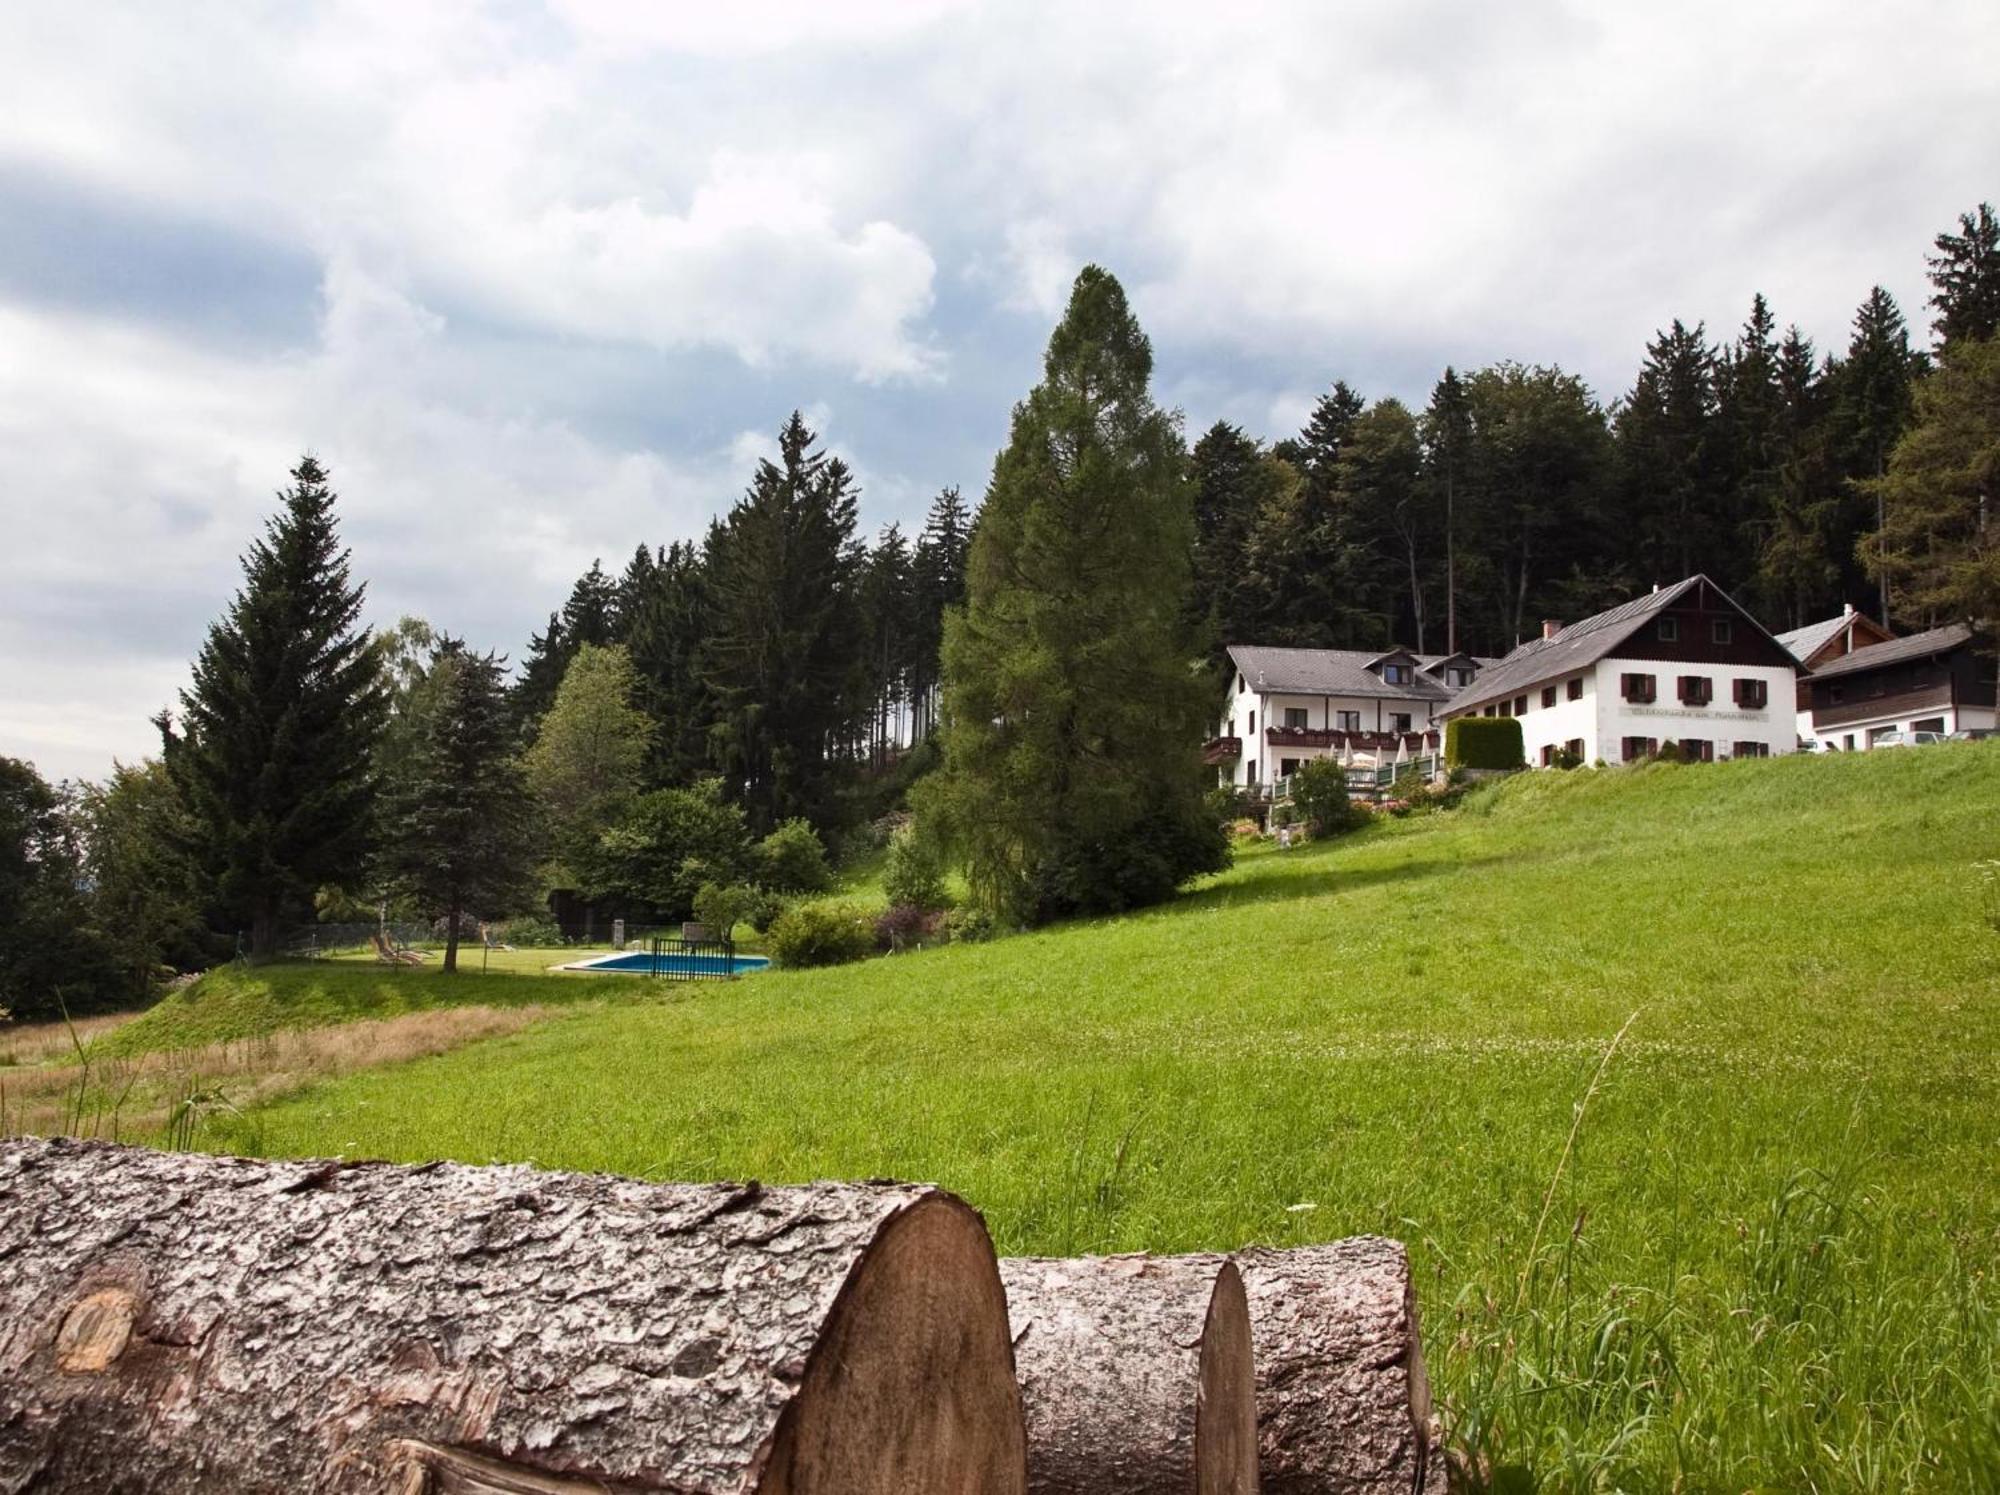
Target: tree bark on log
1136,1375
183,1322
1343,1403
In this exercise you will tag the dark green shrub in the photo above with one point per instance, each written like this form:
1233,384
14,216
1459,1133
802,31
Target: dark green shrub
792,859
1483,742
536,933
666,845
914,874
970,925
907,927
822,934
1319,791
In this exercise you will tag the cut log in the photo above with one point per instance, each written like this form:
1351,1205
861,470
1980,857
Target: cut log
1343,1404
1136,1376
182,1322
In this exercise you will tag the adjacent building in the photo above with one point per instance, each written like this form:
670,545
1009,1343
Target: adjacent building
1683,665
1822,643
1289,706
1935,681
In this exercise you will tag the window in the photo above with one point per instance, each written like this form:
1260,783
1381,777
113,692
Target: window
1288,766
1295,720
1928,724
1751,750
1396,674
1636,688
1506,708
1457,674
1753,695
1232,728
1576,688
1253,724
1350,721
1548,696
1250,771
1574,747
1241,685
1632,749
1520,705
1696,690
1670,630
1399,721
1697,750
1548,755
1835,695
1719,629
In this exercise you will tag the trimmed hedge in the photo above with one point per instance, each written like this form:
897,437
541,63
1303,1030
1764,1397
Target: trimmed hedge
1483,742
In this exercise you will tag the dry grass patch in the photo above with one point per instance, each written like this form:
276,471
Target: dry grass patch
167,1095
38,1043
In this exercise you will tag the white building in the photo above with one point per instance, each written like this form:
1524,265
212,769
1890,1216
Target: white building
1684,665
1290,706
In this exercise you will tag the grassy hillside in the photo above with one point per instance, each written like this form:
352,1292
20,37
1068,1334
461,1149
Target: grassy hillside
1761,1255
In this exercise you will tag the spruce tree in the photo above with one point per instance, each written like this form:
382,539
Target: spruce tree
1875,389
457,835
783,658
1446,429
1074,705
664,635
1667,452
547,660
272,757
938,569
1390,523
1965,279
590,615
1230,482
888,611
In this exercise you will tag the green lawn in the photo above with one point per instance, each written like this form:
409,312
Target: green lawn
1766,1261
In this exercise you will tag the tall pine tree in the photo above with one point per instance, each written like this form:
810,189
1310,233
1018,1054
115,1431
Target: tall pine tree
938,574
1446,428
781,660
1074,705
272,753
1965,279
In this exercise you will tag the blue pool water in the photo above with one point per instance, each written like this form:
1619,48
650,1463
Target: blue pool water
640,962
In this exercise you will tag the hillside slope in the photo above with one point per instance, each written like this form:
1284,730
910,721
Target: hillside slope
1766,1257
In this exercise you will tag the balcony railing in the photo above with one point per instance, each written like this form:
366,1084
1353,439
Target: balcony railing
1221,750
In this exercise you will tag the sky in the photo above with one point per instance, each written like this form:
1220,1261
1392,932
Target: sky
538,282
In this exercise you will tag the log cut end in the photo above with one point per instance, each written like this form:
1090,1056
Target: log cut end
1343,1401
1136,1374
1225,1434
911,1385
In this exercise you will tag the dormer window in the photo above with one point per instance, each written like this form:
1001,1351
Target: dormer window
1396,674
1457,674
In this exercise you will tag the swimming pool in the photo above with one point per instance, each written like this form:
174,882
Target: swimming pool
672,963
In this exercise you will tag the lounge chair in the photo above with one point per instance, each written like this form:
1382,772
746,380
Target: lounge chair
390,955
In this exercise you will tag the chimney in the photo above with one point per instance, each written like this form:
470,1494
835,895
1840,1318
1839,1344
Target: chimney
1847,609
1551,627
1656,586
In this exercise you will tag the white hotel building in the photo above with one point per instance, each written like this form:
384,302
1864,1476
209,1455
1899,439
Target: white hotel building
1683,666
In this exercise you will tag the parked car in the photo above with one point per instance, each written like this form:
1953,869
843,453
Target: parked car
1972,734
1908,739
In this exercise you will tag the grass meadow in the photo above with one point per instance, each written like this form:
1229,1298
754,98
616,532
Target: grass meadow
1682,1085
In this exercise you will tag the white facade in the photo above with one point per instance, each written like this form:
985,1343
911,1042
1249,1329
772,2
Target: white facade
1591,716
1252,714
1859,736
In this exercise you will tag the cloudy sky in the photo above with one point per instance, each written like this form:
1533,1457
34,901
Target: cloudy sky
537,281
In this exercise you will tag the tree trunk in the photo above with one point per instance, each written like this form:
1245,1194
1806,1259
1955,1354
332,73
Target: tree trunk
184,1322
452,915
1136,1375
1343,1404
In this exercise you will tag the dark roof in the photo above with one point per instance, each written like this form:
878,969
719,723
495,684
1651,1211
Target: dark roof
1809,640
1573,648
1336,672
1897,650
1580,645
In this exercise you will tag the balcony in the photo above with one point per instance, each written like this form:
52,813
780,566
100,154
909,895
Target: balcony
1221,750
